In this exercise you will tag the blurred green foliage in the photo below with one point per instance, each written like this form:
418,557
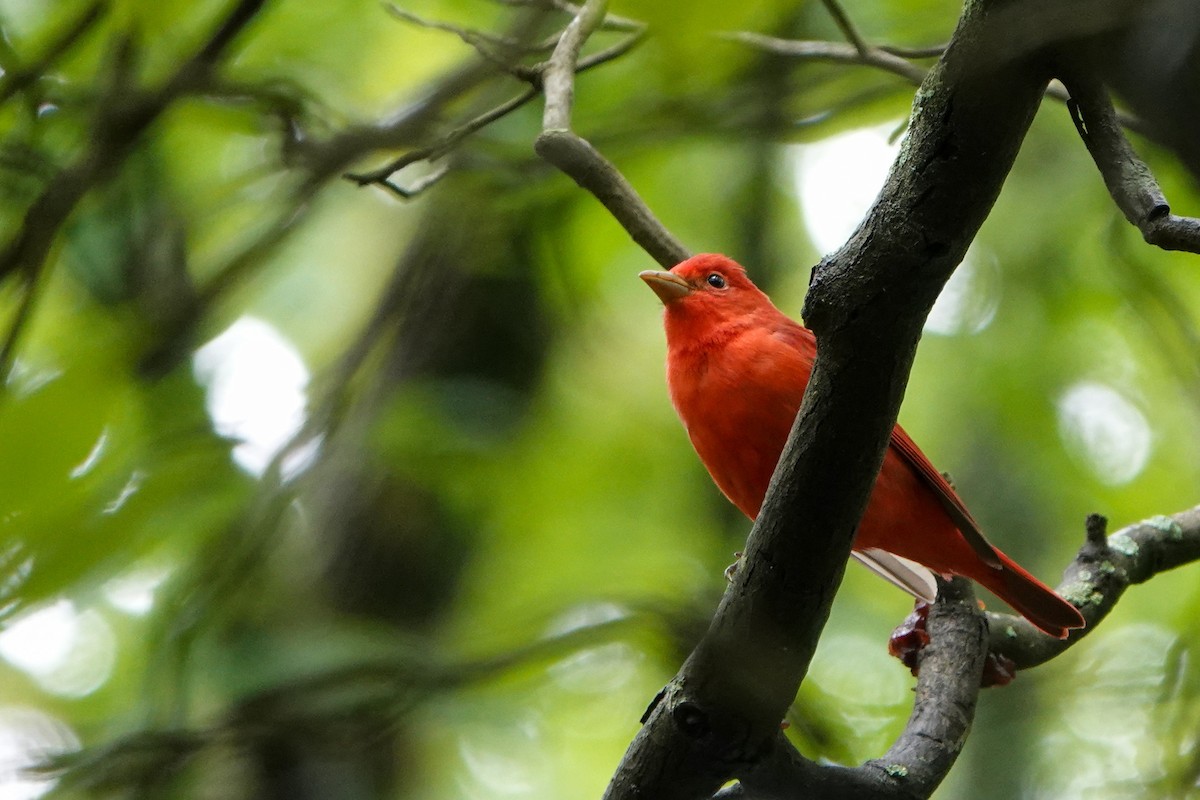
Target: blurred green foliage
488,542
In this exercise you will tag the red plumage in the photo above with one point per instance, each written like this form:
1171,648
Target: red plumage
737,368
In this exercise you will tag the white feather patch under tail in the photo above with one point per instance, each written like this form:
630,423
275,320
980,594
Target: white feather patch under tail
910,576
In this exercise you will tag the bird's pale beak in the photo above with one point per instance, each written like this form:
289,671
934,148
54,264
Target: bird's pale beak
667,285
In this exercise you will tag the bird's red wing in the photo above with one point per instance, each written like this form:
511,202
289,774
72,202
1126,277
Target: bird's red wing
950,500
803,341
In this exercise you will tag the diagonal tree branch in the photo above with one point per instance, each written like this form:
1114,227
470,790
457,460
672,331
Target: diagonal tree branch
576,157
1127,177
845,25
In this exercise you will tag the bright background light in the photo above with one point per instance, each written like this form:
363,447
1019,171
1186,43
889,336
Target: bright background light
838,178
256,384
1105,431
68,653
27,738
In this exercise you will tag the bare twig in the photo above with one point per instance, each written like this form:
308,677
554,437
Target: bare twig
613,51
448,142
482,42
577,158
410,126
834,52
441,147
611,22
500,51
933,51
418,186
846,26
889,59
1127,177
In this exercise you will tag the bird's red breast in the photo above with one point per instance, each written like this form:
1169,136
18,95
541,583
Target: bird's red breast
737,368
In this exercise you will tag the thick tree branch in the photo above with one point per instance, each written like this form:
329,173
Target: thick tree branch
1127,177
917,763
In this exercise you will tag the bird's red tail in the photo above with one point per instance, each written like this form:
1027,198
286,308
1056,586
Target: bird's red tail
1031,598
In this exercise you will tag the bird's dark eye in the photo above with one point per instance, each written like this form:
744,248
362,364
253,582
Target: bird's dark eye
716,281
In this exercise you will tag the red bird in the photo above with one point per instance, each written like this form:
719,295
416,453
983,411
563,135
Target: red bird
737,368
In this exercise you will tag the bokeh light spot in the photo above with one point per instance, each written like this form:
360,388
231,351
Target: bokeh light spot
838,178
969,300
1105,431
256,384
68,653
134,591
29,737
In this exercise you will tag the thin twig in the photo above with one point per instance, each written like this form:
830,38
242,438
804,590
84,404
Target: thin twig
408,127
439,148
609,53
834,52
933,51
611,22
577,158
476,39
418,186
485,44
889,59
846,26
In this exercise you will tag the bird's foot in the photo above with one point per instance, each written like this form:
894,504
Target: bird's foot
912,636
732,569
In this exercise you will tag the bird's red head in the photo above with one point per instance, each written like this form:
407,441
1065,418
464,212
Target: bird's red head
708,288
